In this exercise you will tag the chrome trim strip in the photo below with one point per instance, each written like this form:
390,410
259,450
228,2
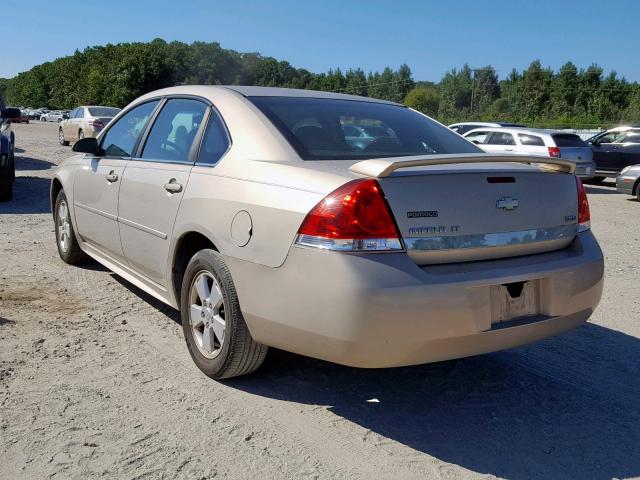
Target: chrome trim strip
149,230
110,216
488,240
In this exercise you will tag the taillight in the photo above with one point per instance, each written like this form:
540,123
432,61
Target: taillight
584,216
96,123
353,217
554,152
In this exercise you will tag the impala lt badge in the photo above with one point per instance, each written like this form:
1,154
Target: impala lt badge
507,203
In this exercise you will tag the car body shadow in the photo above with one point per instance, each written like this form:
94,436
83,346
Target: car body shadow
162,307
564,408
29,164
601,190
30,196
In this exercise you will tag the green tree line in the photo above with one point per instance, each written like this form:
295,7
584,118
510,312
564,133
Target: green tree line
537,96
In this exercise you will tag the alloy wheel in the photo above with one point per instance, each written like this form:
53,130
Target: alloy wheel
64,226
206,314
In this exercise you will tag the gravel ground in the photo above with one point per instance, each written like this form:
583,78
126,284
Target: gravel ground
95,380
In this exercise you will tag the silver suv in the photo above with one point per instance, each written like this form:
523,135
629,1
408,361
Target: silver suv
544,143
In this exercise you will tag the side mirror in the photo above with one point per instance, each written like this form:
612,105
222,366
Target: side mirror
11,113
86,145
477,142
65,117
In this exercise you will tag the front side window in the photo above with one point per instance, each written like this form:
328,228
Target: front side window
215,142
611,137
336,129
79,112
531,140
174,130
501,138
122,137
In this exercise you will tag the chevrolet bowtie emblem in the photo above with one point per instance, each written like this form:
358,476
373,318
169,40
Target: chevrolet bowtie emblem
507,203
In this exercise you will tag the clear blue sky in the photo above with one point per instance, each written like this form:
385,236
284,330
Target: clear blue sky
431,37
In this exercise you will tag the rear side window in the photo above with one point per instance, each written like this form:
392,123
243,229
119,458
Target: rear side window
501,138
215,142
531,140
336,129
478,137
121,138
174,130
568,140
632,137
103,111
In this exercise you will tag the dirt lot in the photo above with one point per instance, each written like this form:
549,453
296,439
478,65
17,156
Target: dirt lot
95,380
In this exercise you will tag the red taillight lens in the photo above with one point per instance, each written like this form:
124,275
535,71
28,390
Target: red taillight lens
353,217
584,215
554,152
96,124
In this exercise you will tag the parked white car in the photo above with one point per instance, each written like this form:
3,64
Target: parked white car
464,127
54,116
544,143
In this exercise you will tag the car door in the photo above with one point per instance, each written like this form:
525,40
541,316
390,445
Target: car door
606,151
629,150
98,182
67,125
532,145
154,183
500,142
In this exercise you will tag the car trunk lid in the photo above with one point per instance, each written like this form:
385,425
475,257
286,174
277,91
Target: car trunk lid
473,207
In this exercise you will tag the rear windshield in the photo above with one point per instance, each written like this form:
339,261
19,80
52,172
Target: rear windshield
103,111
568,140
334,129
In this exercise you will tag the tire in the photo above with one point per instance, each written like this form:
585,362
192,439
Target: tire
68,247
80,134
61,139
237,353
6,180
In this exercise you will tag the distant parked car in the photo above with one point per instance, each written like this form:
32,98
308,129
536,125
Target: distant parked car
614,150
628,181
23,118
53,116
525,141
464,127
85,122
7,146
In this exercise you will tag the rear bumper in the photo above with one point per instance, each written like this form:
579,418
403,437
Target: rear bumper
625,184
382,310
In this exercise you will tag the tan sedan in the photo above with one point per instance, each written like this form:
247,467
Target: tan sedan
84,122
345,228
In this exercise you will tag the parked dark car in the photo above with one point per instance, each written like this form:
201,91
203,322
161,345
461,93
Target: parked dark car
614,150
7,145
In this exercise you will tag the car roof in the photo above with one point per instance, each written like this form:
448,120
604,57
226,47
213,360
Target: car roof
250,91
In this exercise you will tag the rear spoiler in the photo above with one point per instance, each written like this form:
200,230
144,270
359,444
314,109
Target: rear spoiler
383,167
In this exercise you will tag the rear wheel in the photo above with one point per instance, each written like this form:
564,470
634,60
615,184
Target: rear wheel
215,331
68,247
61,139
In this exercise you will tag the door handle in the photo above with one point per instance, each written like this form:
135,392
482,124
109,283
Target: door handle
112,177
508,149
173,186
